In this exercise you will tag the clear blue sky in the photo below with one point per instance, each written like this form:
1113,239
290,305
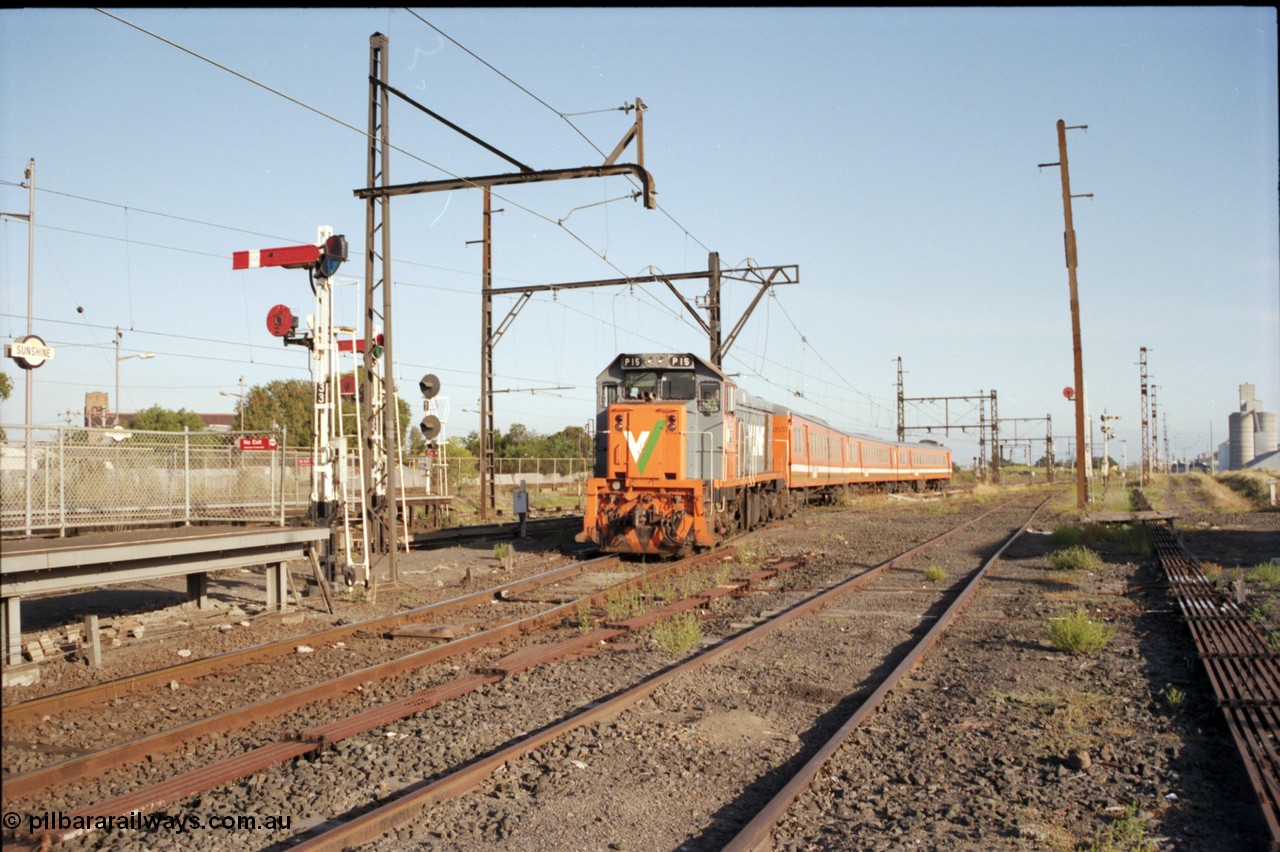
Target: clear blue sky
890,153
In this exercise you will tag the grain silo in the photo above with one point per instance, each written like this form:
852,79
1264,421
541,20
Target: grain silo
1252,432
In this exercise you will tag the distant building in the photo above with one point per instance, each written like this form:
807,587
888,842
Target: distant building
98,415
1251,435
96,412
219,422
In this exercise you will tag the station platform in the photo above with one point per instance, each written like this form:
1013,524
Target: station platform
45,566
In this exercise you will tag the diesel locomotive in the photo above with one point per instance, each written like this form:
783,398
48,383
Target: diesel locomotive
684,458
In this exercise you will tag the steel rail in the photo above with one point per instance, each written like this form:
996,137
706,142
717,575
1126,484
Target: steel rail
33,711
100,761
315,739
1242,667
756,831
375,822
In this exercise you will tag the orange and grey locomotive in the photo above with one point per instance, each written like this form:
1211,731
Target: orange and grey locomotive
684,457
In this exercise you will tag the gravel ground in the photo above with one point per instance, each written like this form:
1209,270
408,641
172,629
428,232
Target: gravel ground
997,740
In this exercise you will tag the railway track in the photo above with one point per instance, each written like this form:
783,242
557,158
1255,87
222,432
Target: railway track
382,820
31,712
537,602
1242,666
321,737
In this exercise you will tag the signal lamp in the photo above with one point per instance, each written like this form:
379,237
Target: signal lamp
335,252
281,322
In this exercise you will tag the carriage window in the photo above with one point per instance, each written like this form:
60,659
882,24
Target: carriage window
708,398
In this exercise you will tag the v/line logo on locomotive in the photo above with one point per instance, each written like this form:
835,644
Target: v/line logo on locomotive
643,445
738,460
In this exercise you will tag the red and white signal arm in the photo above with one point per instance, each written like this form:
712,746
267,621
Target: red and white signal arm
1069,392
290,257
258,444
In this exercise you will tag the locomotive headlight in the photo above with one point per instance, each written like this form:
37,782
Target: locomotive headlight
671,423
615,485
617,422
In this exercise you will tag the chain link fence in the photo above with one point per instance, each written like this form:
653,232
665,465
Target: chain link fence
554,484
68,478
61,478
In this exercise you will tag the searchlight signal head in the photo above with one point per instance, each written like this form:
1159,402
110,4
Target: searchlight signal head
332,256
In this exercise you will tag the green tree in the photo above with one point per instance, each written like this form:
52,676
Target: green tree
521,442
6,388
280,404
287,403
157,419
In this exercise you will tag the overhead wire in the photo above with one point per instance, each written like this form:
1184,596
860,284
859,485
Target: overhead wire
564,116
546,218
363,133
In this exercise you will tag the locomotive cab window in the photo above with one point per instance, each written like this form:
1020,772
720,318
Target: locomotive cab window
641,386
608,394
708,398
676,385
649,385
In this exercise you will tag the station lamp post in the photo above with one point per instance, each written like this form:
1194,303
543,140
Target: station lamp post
144,356
240,397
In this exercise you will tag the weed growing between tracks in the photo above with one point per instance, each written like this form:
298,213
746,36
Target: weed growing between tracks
678,635
1075,559
1077,634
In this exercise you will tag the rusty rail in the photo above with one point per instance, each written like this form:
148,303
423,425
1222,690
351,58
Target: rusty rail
95,763
375,822
315,739
1242,667
33,711
756,832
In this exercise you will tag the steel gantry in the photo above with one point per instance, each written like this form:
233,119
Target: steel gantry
981,399
1047,420
764,277
1146,413
381,429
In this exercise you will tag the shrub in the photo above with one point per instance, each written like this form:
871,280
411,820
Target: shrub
1076,634
1266,574
1125,834
1065,536
504,553
679,634
935,574
584,616
1252,485
1075,559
